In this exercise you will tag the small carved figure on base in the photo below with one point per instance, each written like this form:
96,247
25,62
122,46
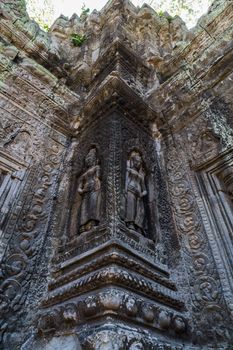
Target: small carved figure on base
89,189
136,345
135,191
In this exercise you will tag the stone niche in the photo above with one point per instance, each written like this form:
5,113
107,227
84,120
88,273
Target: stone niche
116,181
113,263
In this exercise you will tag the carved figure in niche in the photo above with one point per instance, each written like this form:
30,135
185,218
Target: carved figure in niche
135,193
106,340
206,145
89,189
21,144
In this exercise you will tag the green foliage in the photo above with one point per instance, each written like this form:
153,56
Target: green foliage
84,12
167,16
78,40
46,27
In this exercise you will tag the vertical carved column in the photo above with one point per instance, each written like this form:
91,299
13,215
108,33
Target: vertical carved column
207,306
26,231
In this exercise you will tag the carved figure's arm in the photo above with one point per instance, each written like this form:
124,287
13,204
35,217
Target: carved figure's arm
80,186
98,172
144,191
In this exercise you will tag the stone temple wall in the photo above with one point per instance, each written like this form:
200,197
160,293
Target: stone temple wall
116,180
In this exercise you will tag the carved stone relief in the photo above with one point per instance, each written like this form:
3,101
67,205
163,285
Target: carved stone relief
135,192
113,213
89,188
111,340
21,252
218,206
12,172
205,144
207,303
116,181
88,182
20,143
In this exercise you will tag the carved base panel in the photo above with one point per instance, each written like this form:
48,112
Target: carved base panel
115,305
96,239
116,263
113,259
110,334
113,282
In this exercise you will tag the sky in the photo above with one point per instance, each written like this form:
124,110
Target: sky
68,7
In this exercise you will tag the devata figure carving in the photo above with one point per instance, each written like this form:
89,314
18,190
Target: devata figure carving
135,191
89,189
